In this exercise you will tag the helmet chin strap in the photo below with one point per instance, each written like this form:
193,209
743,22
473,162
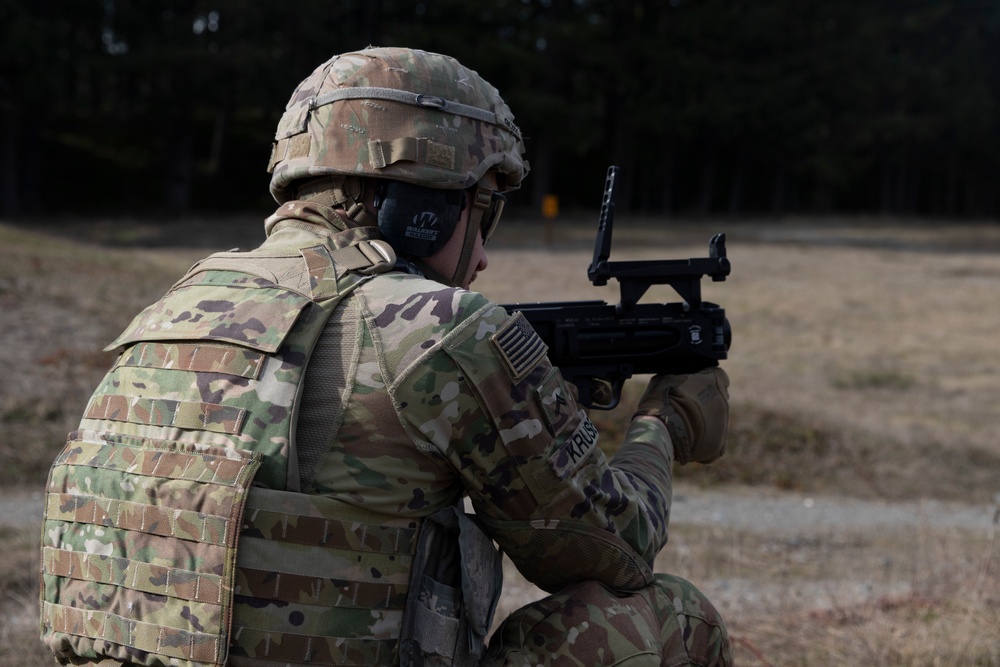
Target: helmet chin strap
481,200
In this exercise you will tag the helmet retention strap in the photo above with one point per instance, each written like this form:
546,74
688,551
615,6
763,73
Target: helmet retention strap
480,205
345,193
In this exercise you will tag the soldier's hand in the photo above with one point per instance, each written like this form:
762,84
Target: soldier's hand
695,409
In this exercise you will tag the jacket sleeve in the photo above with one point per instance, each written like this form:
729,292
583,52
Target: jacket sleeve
488,400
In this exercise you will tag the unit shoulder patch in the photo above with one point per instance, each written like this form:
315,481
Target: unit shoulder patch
520,347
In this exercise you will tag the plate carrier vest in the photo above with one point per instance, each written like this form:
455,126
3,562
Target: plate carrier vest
174,527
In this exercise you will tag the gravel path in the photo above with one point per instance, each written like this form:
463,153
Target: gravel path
768,511
20,507
799,522
760,510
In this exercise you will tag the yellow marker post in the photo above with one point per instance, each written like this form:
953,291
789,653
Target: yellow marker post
550,206
550,209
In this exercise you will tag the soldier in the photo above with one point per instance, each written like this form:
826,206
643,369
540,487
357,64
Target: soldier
274,469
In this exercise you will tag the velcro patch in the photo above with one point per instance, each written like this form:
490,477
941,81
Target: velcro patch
519,345
440,155
298,146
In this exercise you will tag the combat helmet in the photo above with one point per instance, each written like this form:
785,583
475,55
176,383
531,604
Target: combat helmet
413,118
400,114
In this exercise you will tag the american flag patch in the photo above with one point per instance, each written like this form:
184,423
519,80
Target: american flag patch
519,346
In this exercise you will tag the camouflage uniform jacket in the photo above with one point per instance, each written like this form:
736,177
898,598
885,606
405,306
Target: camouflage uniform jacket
453,396
428,393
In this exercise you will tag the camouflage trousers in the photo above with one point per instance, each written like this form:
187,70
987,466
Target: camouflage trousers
667,623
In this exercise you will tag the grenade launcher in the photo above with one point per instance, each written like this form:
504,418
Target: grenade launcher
598,346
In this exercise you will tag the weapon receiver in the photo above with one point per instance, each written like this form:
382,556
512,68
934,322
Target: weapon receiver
598,346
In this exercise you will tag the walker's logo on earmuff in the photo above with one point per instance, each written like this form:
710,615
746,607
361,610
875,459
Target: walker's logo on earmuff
423,227
417,221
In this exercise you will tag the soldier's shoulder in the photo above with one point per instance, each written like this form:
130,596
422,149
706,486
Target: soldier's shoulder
411,318
418,302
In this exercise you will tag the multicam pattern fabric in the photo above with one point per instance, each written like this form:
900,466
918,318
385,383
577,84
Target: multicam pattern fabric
400,114
424,409
132,525
145,507
667,623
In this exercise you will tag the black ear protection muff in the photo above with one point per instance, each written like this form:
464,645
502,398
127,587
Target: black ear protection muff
417,221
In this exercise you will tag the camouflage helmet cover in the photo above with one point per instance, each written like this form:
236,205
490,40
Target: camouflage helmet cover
399,114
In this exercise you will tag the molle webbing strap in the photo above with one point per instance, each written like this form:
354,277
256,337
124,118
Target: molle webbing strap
166,412
152,524
298,649
137,517
196,357
140,575
305,520
303,555
138,636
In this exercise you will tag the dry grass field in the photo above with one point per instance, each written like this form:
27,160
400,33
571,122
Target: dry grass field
853,520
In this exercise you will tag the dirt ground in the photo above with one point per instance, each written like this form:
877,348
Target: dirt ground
796,576
852,522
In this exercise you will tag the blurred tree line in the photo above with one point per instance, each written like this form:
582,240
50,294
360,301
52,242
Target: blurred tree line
710,106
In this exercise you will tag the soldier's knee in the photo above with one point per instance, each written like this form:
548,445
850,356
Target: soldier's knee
699,632
583,624
669,622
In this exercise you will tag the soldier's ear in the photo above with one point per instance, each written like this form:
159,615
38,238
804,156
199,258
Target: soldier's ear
417,221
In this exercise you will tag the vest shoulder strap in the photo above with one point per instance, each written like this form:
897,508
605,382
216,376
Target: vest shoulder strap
317,277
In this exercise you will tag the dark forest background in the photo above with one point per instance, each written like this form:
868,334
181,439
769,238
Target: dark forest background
743,107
